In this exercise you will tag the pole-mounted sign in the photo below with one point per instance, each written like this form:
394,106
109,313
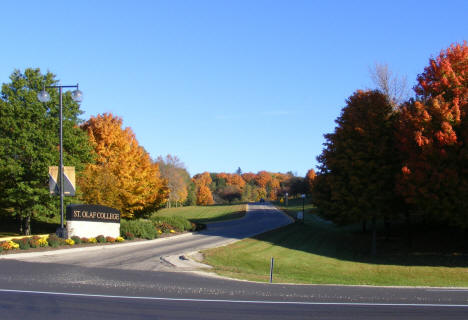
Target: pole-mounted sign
69,185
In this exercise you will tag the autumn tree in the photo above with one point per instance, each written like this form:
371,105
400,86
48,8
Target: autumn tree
29,145
202,182
432,135
357,164
262,179
446,75
230,193
309,180
177,177
123,177
249,177
296,186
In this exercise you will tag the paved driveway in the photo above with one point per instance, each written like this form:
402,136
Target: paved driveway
159,254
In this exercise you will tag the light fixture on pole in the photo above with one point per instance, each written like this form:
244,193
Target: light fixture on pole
77,96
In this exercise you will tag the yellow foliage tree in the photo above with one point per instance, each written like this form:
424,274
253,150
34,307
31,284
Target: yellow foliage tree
123,177
202,182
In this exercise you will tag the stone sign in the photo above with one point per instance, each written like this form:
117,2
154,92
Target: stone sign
90,220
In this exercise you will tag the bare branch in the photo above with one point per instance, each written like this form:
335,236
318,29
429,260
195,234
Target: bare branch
393,86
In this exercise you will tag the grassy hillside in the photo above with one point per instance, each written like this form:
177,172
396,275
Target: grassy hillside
318,252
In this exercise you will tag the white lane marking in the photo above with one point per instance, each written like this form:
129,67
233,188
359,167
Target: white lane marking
237,301
447,290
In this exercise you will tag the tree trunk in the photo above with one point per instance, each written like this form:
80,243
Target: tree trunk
409,231
387,227
20,218
27,225
364,226
374,236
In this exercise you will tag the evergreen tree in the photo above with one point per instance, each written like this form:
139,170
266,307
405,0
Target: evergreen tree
29,143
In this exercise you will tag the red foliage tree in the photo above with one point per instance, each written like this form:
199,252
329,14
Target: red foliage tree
432,136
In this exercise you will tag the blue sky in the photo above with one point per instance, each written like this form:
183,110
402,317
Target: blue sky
226,84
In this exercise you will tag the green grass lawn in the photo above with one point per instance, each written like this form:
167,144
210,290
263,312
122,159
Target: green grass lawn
317,252
294,206
206,214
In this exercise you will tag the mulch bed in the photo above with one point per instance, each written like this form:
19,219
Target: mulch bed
81,245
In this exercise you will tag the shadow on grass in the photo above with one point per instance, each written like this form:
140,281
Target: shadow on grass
11,227
432,245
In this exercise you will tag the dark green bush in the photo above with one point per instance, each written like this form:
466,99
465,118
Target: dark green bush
76,239
139,228
174,222
101,239
55,241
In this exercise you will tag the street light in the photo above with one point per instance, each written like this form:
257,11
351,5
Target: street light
77,96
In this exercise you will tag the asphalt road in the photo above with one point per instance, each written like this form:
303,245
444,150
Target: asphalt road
132,283
149,255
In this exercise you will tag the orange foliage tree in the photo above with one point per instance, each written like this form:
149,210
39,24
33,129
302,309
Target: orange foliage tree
123,177
309,178
248,177
262,178
432,135
202,182
235,180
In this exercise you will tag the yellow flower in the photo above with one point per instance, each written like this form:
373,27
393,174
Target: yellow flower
10,245
172,231
70,242
92,240
159,231
43,242
119,239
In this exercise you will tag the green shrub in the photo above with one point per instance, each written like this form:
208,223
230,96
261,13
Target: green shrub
34,242
139,228
23,243
129,236
101,239
1,246
175,222
55,241
76,239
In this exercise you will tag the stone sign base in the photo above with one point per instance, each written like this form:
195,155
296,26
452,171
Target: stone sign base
90,221
90,229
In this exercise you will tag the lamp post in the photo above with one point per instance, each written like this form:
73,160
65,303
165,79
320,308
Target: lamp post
77,96
303,212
